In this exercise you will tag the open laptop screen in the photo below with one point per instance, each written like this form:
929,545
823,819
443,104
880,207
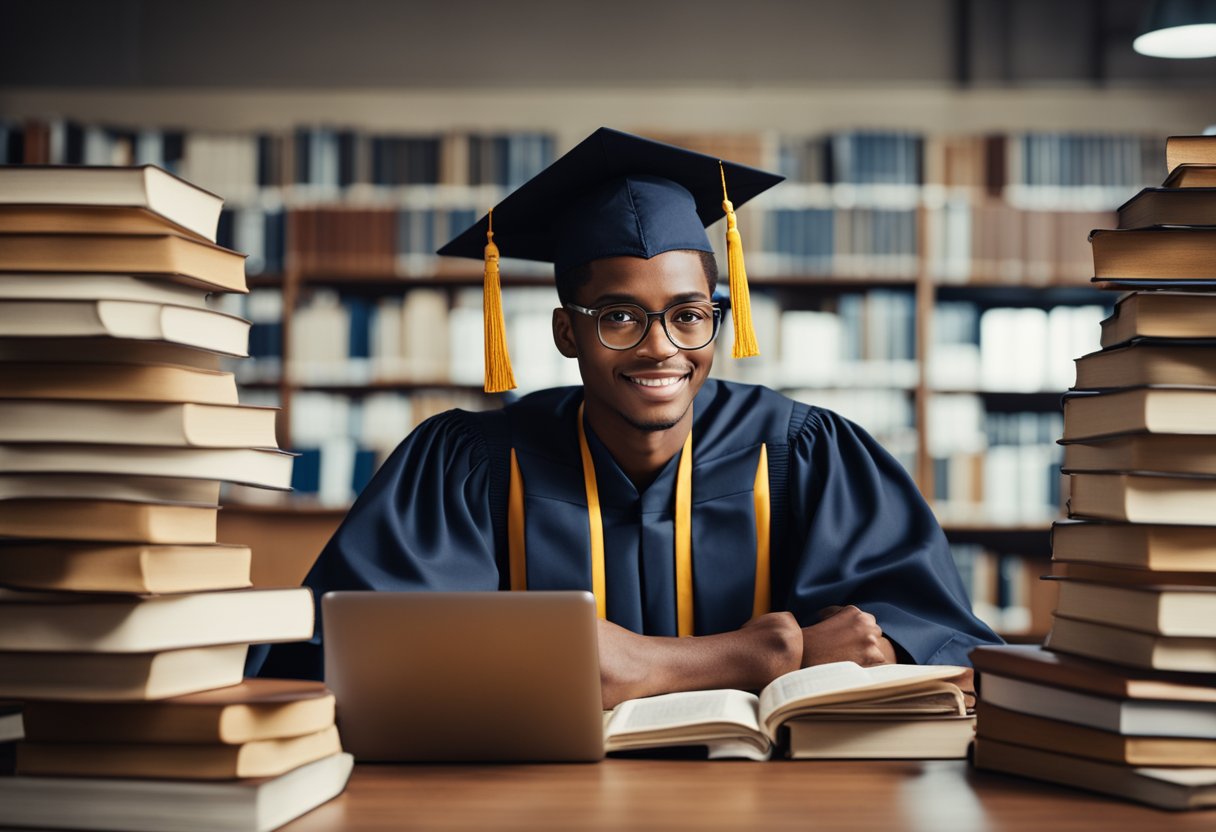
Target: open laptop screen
464,676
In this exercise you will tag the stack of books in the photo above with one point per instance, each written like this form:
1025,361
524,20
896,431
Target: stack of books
1123,699
124,625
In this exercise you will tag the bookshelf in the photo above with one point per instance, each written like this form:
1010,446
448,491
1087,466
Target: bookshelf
876,272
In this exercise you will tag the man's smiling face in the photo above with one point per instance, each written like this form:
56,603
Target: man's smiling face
651,386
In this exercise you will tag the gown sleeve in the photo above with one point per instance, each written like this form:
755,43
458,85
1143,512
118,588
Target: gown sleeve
422,523
863,535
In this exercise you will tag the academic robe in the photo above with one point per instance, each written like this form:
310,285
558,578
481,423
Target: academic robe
848,525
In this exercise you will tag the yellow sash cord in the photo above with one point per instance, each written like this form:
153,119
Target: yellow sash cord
595,521
515,529
760,496
517,557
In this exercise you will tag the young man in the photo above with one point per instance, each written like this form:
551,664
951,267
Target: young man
772,534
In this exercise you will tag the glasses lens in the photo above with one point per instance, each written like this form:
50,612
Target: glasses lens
691,325
622,326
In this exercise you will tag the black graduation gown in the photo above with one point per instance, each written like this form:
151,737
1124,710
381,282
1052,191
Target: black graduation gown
848,524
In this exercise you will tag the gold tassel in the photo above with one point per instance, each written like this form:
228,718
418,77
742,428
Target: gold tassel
740,301
498,361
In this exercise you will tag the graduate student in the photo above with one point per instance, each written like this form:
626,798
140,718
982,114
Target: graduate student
729,534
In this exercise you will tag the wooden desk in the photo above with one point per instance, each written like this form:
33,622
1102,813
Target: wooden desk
936,796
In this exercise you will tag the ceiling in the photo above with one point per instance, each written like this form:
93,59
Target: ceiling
401,44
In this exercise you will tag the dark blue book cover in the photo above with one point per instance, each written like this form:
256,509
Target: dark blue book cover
365,467
173,150
224,232
306,472
359,311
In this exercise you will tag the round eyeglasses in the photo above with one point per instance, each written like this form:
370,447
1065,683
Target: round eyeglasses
689,325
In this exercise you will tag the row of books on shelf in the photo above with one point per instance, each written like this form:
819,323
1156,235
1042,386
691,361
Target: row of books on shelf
966,241
990,240
329,157
342,440
1005,469
323,160
1009,349
996,163
1006,590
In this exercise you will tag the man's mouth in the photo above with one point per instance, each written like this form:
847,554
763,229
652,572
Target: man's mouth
656,381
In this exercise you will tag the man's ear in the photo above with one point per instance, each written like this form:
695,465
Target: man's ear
563,334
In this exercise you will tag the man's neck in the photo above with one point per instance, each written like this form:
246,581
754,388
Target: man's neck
640,453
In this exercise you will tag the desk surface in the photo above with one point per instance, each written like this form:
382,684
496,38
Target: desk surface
935,796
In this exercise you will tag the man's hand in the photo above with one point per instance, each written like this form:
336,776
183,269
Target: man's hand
748,658
845,634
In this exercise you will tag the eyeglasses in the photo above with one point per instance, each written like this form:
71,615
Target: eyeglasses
622,326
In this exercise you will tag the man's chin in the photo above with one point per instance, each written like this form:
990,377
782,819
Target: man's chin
652,427
656,422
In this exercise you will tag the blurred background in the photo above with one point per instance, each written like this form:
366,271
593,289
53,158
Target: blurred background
925,269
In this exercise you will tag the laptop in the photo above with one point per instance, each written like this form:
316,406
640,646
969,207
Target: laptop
465,676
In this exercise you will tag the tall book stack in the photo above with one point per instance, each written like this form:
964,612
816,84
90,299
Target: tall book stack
1123,698
124,625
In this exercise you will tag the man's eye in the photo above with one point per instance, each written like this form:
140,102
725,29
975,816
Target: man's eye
619,316
689,316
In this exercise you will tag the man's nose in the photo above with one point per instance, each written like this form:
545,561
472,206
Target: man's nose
656,344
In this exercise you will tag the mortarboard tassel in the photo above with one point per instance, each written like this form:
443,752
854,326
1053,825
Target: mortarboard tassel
740,301
499,377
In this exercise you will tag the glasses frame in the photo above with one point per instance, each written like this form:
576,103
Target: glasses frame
650,316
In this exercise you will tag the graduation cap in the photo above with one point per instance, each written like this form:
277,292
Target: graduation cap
614,194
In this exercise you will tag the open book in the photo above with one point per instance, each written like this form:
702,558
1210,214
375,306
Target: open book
735,723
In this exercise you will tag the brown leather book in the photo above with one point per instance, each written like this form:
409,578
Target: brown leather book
94,623
1171,254
1056,735
1033,663
249,805
1191,176
120,382
169,424
1166,788
1147,363
1157,410
1160,315
1134,498
204,329
259,758
1141,546
107,520
1169,206
68,188
134,568
263,467
1131,648
1189,150
256,709
1159,610
1143,452
119,677
176,257
89,219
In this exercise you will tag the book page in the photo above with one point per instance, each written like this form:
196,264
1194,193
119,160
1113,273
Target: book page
688,708
843,682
